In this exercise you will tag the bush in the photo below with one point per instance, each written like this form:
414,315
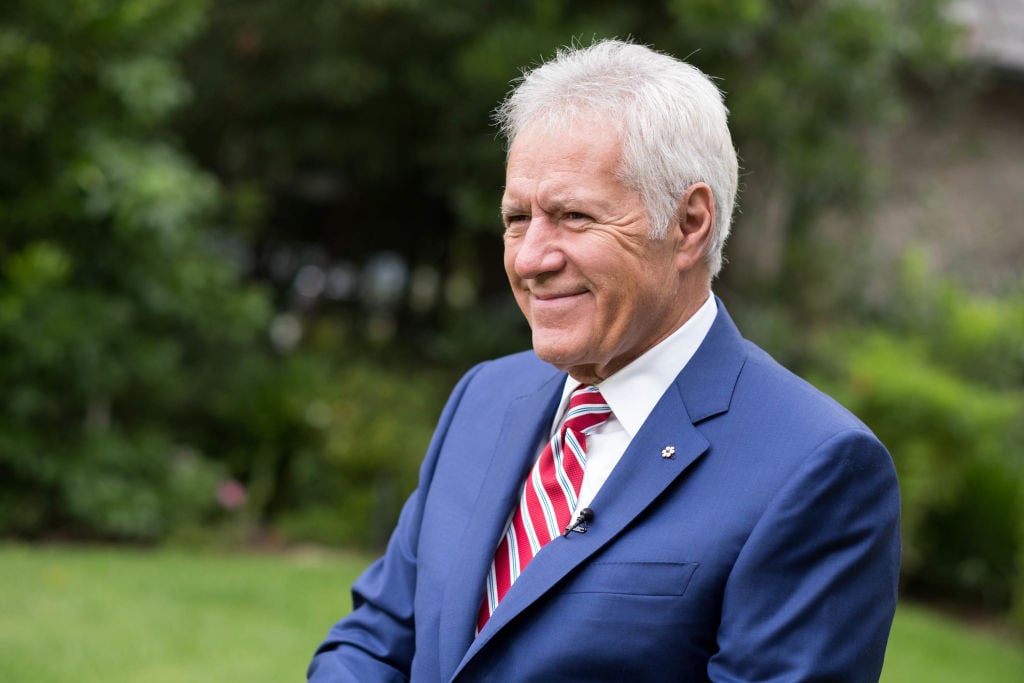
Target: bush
377,420
119,314
942,383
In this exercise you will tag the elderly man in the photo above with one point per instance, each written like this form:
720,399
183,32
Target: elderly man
645,496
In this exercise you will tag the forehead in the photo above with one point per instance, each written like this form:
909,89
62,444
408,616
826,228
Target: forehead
564,163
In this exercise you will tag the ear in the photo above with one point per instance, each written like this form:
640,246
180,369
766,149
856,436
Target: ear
695,223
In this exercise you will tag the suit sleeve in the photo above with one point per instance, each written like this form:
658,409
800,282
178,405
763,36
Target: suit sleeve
376,641
812,594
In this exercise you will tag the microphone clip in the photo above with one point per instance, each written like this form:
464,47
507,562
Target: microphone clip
579,525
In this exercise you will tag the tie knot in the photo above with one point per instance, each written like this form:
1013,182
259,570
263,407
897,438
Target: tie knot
587,409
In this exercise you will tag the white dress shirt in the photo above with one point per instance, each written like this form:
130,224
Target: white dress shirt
632,393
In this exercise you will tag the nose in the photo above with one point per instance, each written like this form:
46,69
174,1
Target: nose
538,250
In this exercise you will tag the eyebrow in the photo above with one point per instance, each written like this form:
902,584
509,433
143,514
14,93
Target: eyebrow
555,205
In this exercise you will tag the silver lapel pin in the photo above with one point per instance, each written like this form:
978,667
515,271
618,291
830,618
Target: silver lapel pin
668,451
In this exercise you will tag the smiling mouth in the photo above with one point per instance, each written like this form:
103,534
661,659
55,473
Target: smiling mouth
554,299
560,304
552,296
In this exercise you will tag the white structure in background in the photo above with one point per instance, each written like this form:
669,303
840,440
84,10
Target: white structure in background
995,30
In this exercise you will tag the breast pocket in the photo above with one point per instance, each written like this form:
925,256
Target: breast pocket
633,578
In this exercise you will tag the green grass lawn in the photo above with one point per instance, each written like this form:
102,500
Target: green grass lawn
94,614
112,615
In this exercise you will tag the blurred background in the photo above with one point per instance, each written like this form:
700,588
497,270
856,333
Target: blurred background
247,248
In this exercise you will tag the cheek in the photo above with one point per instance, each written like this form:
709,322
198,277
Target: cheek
628,300
615,312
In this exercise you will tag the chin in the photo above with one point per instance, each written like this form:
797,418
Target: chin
562,346
561,358
549,353
548,356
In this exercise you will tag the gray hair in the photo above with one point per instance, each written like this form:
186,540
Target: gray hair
671,117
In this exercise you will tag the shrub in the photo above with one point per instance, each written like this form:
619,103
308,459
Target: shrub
118,313
942,383
377,420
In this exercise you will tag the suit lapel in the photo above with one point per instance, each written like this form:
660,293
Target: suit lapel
641,476
526,424
703,389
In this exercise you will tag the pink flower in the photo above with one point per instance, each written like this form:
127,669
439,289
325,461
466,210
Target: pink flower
231,494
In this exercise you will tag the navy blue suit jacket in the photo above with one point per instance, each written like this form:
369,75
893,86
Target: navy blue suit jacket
765,549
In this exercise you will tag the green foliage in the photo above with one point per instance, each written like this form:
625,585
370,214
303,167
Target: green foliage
377,419
330,113
118,313
943,386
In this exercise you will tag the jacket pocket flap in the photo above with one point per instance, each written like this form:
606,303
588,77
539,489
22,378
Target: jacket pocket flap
633,578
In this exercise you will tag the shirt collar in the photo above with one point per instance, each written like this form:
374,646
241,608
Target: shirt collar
633,391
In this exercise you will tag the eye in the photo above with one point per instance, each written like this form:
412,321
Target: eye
515,219
515,223
576,218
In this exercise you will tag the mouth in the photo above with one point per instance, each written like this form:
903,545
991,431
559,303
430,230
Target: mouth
555,305
554,296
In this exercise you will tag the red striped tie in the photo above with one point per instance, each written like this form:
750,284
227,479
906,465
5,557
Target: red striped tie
549,496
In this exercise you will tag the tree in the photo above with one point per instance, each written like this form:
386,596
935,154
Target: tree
121,312
362,128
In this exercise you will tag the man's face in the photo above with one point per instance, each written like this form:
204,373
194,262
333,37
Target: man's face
596,290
